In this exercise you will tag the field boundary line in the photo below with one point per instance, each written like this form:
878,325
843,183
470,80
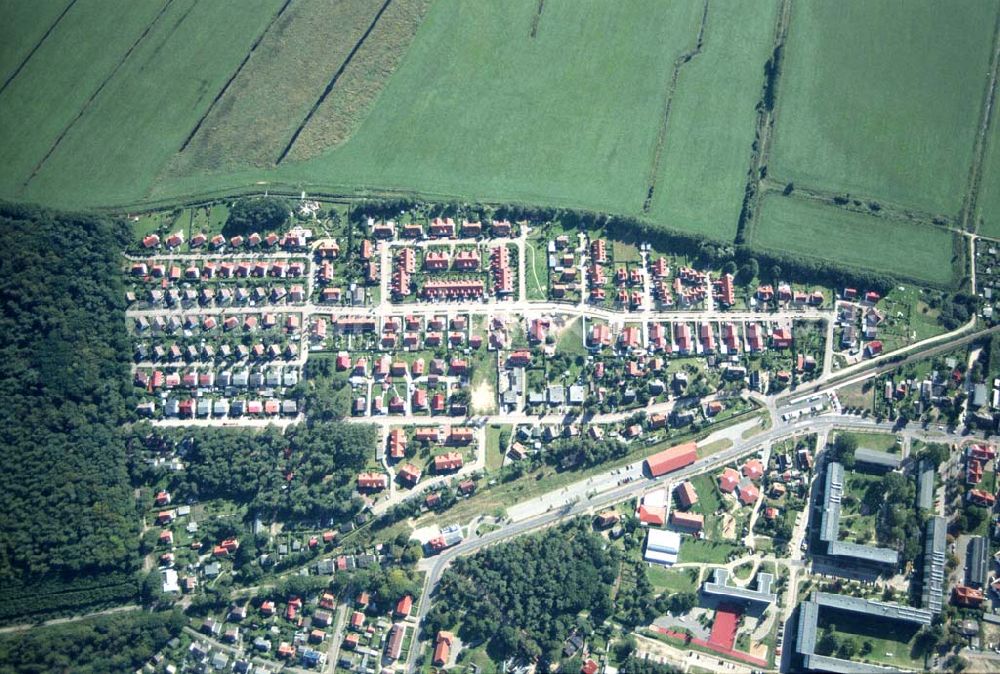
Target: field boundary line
967,217
239,69
661,136
889,210
100,87
24,61
333,81
760,149
537,18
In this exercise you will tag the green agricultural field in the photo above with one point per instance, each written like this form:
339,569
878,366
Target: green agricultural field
707,146
883,98
481,106
259,112
140,119
905,250
25,24
56,82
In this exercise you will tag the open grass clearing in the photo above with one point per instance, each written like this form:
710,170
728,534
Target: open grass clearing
536,274
714,447
799,227
494,453
882,98
706,150
672,581
694,550
570,340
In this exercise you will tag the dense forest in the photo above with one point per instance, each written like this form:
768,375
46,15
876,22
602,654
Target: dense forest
523,597
69,519
308,472
114,643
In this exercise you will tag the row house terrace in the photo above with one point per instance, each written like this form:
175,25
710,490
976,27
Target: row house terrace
405,266
453,289
503,275
786,295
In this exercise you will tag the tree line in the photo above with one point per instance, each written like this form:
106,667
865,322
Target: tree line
630,228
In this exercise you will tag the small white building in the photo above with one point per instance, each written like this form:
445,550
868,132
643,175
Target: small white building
170,581
662,547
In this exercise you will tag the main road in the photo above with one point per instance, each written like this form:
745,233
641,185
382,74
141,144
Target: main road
436,566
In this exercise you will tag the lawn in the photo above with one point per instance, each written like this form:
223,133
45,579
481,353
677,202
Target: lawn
494,453
706,152
891,640
140,119
883,98
799,227
571,339
885,442
694,550
673,581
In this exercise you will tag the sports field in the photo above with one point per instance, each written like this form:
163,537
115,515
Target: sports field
882,98
706,155
920,252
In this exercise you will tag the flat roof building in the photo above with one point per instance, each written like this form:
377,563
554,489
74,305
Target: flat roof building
662,546
720,587
977,561
808,626
877,458
935,542
925,486
829,526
